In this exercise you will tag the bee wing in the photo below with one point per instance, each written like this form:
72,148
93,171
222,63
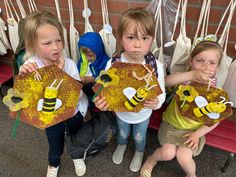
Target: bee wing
40,105
58,104
201,101
129,92
213,115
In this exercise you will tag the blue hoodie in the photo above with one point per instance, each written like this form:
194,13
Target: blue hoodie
93,41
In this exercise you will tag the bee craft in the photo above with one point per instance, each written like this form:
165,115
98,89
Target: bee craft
134,97
50,102
212,110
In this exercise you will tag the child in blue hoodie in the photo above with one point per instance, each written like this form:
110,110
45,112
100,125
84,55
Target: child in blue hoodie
92,61
93,58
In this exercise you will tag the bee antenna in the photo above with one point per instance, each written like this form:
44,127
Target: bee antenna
152,87
229,102
53,83
59,84
223,99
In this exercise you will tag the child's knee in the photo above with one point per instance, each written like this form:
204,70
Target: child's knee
138,138
168,152
123,134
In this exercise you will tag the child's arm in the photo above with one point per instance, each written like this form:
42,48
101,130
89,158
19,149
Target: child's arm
101,103
193,137
201,75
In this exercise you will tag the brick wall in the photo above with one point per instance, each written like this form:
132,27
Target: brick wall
116,7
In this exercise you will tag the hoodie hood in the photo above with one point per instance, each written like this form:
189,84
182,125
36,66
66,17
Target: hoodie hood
93,41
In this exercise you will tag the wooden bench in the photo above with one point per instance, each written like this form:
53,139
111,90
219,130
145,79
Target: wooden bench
5,75
222,137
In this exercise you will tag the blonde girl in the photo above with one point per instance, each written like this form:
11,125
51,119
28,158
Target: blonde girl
43,37
180,136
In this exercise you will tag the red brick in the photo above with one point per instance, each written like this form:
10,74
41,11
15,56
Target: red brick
140,4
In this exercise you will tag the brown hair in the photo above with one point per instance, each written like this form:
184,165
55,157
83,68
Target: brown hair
141,17
32,22
204,46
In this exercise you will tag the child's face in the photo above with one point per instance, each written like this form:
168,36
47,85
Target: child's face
208,60
90,55
135,46
49,44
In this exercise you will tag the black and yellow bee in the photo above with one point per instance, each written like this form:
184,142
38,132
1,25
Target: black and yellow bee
134,97
50,102
212,110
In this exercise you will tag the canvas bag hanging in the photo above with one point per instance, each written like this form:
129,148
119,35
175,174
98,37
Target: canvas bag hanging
74,35
86,14
106,34
154,48
66,51
229,85
12,26
3,35
223,41
161,54
183,45
172,42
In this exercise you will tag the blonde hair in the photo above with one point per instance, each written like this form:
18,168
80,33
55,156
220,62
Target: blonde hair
142,18
204,46
32,22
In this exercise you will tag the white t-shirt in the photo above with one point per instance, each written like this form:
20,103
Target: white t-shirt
145,113
71,69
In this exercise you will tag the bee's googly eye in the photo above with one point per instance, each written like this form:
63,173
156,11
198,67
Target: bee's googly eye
210,37
198,40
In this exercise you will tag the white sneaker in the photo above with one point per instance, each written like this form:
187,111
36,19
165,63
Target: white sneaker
52,171
136,162
80,167
119,153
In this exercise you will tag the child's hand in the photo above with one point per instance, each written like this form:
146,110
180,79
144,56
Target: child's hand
60,63
151,104
191,140
202,75
101,103
29,67
87,79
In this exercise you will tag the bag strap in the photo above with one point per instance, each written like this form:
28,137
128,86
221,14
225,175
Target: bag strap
21,8
32,6
223,41
201,16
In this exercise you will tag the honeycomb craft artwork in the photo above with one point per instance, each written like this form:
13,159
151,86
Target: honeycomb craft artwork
46,102
202,104
123,83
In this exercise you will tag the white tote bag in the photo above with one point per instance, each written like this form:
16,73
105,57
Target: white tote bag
183,45
12,26
106,34
223,41
229,85
3,49
154,48
86,14
66,51
3,35
74,35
